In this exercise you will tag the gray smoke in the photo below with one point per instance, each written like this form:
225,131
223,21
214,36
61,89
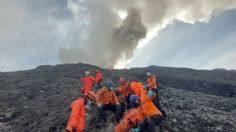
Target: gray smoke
125,38
99,36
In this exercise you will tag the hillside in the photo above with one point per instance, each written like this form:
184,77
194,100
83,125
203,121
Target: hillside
38,100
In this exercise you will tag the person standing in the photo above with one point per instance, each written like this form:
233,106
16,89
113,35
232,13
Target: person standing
76,121
152,89
98,77
88,82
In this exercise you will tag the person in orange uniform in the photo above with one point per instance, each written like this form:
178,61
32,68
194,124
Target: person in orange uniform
76,122
138,88
106,99
125,91
98,77
88,82
153,90
130,120
153,116
123,87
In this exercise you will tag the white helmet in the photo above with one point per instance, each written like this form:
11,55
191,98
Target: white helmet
148,73
87,73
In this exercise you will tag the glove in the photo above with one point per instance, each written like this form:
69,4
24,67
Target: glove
99,105
135,129
150,93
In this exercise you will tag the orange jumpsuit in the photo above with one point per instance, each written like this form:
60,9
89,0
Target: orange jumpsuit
77,116
98,75
152,85
130,119
138,88
104,96
152,115
124,90
87,83
147,107
109,101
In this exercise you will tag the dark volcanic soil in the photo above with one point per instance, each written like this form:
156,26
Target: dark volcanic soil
38,100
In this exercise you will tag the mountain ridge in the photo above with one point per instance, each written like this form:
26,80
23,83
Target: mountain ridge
39,99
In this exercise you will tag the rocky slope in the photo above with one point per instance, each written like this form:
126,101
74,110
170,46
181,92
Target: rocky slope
38,100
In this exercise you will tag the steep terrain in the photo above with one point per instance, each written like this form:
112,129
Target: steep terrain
38,100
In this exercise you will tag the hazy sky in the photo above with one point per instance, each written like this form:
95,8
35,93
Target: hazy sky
32,33
201,45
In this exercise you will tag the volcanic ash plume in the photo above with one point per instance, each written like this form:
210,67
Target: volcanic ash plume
98,35
107,38
125,38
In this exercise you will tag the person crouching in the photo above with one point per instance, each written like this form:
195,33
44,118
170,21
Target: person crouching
106,99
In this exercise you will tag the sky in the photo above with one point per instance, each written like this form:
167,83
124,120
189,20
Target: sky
50,32
201,45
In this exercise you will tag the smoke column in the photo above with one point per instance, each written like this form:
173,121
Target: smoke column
98,35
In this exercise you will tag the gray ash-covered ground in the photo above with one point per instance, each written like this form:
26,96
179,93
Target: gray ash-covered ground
38,100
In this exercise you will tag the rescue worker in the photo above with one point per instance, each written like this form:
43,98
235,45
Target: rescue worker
125,91
138,88
152,89
152,116
76,122
121,100
88,82
98,77
130,120
106,99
